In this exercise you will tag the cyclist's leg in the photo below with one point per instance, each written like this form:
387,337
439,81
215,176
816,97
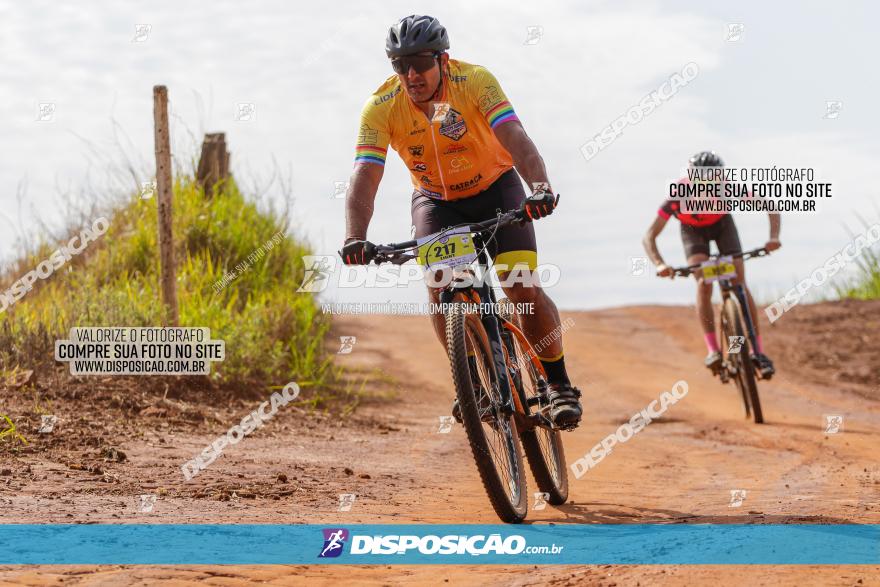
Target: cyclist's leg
513,245
537,315
729,244
696,249
429,216
514,251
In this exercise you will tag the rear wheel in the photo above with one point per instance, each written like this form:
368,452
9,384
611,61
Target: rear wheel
493,443
731,325
542,446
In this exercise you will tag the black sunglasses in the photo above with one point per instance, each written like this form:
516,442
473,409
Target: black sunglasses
420,63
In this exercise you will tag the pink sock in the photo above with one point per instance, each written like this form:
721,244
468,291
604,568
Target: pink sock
711,342
759,344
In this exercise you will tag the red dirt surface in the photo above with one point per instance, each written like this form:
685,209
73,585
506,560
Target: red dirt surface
116,440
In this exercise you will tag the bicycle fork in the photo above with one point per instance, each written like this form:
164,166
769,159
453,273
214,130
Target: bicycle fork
740,293
490,323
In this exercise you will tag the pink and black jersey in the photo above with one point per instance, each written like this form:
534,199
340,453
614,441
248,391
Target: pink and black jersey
673,208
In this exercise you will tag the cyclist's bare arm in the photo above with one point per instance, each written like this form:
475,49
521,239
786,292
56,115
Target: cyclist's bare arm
360,198
526,158
650,240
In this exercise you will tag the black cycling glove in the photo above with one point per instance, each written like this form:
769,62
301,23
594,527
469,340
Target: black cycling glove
356,252
539,204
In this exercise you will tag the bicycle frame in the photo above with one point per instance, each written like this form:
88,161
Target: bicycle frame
505,352
500,332
491,322
739,292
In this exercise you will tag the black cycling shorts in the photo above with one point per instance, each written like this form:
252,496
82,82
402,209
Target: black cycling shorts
513,244
696,238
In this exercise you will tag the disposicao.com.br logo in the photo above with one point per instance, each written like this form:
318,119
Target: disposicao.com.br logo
334,541
450,544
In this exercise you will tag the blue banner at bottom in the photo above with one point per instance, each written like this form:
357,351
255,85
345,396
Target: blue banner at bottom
358,544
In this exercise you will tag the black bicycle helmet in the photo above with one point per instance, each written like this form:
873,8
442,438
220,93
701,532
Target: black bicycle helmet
706,159
415,34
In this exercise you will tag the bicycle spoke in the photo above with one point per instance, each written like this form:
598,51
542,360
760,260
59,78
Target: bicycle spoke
544,441
544,436
503,458
498,435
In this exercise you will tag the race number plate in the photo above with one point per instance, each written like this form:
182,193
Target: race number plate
453,249
717,269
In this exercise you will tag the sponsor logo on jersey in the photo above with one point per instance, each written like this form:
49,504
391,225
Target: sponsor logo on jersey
429,193
367,135
386,97
457,78
453,125
454,148
459,163
416,150
457,187
419,166
425,180
489,98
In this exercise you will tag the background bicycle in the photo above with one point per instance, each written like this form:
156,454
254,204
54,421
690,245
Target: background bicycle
736,326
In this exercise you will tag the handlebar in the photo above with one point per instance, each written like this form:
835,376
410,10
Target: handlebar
685,271
398,253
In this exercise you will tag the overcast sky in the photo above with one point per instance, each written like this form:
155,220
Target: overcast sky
759,101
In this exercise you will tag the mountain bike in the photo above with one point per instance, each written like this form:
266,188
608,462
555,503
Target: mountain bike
736,364
499,381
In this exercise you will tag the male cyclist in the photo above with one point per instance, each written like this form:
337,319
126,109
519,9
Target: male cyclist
459,136
697,230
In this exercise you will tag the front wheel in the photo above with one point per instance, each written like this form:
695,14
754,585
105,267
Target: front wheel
491,434
731,325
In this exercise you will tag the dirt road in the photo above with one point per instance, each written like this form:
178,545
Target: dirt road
680,469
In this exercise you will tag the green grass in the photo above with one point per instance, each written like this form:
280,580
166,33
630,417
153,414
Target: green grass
273,335
8,431
865,284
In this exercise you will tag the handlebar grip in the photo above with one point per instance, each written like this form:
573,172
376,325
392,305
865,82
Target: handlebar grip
370,252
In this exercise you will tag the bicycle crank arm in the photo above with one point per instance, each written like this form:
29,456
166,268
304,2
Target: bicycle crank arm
525,423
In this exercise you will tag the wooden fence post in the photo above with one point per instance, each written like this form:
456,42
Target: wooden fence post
167,268
213,162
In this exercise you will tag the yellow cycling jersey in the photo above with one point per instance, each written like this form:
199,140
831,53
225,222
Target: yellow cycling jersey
453,154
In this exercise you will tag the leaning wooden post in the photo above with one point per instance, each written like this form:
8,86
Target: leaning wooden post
213,163
167,269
